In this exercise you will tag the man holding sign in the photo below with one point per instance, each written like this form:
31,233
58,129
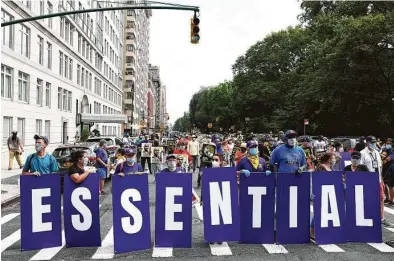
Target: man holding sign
130,166
252,163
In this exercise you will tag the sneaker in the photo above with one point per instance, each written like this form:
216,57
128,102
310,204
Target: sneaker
9,168
386,201
385,223
103,192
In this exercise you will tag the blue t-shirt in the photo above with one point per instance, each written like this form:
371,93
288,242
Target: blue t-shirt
101,154
44,165
219,149
245,164
177,170
288,159
127,169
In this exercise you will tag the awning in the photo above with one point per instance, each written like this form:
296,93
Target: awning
103,118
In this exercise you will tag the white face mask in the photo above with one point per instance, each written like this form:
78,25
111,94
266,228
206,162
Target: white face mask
292,142
215,164
171,165
85,161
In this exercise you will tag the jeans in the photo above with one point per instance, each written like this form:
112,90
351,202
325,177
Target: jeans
144,160
195,162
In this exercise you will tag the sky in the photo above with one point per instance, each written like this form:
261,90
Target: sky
227,29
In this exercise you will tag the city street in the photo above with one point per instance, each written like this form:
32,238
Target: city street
10,243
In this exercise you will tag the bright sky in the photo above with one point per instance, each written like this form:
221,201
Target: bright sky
227,29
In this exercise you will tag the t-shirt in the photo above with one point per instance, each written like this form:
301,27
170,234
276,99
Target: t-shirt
177,170
245,164
75,169
288,159
360,167
127,169
13,144
44,165
101,154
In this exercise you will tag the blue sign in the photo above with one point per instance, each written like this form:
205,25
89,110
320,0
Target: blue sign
131,216
220,206
363,222
292,208
81,212
40,204
329,207
257,208
173,217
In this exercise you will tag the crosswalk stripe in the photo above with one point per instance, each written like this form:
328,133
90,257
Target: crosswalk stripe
389,210
275,249
106,251
8,217
10,240
220,250
390,229
382,247
162,252
198,208
49,253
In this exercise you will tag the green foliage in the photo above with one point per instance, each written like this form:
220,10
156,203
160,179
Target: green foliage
336,69
85,134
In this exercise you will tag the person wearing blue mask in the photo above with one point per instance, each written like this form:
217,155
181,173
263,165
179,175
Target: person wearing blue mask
289,158
252,162
130,166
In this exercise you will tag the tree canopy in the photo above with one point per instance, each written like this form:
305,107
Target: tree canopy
336,68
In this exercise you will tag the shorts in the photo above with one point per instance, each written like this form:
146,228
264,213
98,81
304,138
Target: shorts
102,172
381,191
390,179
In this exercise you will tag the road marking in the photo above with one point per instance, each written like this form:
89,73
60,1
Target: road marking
382,247
198,208
275,249
390,229
162,252
389,210
8,217
10,240
106,251
49,253
220,250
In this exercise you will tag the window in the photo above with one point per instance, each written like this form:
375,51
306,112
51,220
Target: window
90,82
42,7
62,20
6,82
8,31
83,47
60,63
130,47
66,66
130,12
25,41
39,127
23,87
64,100
69,101
50,11
21,128
48,95
83,77
78,74
59,98
67,31
70,69
40,42
47,129
79,43
7,129
27,3
39,92
49,55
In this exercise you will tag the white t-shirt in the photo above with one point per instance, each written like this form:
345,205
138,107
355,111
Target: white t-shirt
372,160
320,146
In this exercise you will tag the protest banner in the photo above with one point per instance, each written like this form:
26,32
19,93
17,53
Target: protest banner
257,208
220,206
363,221
81,212
40,204
292,208
173,217
131,216
329,206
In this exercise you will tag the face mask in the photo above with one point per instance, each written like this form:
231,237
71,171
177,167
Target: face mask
182,147
340,149
85,161
253,151
130,160
215,164
355,162
194,139
171,165
372,146
388,147
38,147
291,142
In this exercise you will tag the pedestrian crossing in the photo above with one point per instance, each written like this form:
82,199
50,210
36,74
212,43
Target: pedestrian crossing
10,244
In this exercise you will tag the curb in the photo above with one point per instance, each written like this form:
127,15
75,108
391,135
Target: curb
10,201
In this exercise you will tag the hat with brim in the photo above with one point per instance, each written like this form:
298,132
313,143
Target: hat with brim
371,139
129,151
39,137
171,156
251,144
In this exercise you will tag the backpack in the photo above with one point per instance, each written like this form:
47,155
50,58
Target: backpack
29,164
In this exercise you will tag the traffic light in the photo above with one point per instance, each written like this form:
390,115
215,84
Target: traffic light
194,30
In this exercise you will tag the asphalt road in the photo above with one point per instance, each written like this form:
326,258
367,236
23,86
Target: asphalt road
10,243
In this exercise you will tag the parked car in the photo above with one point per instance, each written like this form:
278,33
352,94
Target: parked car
63,153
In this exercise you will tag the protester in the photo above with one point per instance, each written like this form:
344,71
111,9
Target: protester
194,148
241,153
102,165
182,151
130,165
156,161
180,163
79,171
171,164
360,144
356,163
387,157
252,162
306,145
41,162
15,149
319,147
289,158
146,155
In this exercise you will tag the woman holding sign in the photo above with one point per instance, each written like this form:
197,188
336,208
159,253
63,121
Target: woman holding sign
79,171
130,166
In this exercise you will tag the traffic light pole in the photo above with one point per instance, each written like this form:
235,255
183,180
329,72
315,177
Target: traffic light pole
181,8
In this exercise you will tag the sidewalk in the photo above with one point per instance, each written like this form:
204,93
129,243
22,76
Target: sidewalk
9,186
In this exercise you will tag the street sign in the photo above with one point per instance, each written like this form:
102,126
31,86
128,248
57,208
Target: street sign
209,125
306,122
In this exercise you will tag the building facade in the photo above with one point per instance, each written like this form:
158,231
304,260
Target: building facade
60,75
136,67
157,91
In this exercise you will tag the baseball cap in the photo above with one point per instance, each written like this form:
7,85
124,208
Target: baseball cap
371,139
170,156
290,134
243,145
251,144
355,155
130,151
39,137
